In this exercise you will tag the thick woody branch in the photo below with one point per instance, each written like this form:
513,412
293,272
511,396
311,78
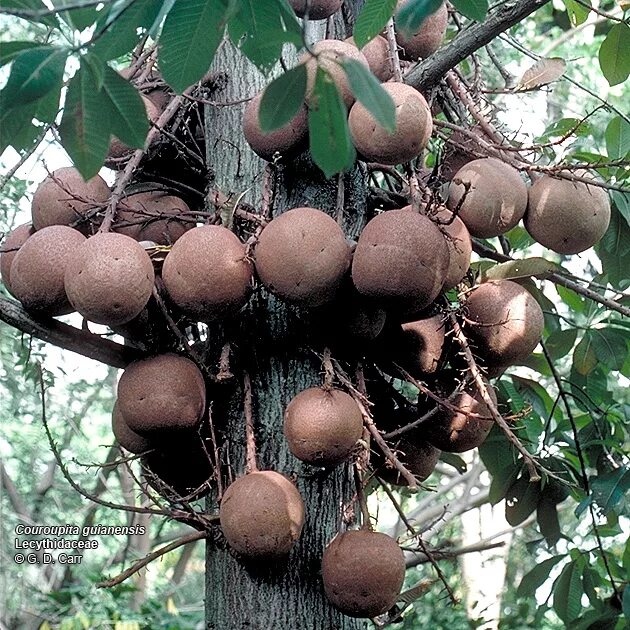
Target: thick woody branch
67,337
427,74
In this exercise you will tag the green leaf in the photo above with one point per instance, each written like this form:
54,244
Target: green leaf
16,126
120,26
496,452
625,602
411,15
77,19
584,357
331,147
547,517
10,50
454,460
618,138
502,481
126,111
567,593
614,55
191,35
282,99
521,500
473,9
577,12
611,346
610,488
33,5
372,20
371,94
33,73
526,268
561,342
83,134
614,249
533,580
572,299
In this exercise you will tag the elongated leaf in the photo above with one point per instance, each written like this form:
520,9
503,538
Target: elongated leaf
521,500
578,13
10,50
331,147
547,517
533,580
83,134
528,267
371,94
567,593
372,20
543,72
33,5
473,9
33,73
584,357
611,346
614,59
625,601
78,19
282,99
561,342
191,35
618,138
609,489
411,15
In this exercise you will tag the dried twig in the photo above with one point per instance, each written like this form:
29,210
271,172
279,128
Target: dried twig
250,438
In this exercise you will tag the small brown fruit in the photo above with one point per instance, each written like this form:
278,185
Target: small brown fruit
428,39
422,344
161,394
376,52
363,572
565,216
317,9
262,515
117,148
54,201
285,141
331,54
37,270
303,256
322,426
496,198
505,322
401,260
456,431
109,279
127,437
9,248
414,126
419,458
153,216
206,273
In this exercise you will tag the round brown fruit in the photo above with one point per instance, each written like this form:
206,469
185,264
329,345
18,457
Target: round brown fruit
376,52
411,135
322,426
262,515
317,9
363,572
153,216
206,273
54,201
496,199
127,437
162,394
9,248
401,260
37,271
418,457
428,38
457,238
302,256
457,431
421,345
565,216
331,54
118,149
109,279
505,322
285,141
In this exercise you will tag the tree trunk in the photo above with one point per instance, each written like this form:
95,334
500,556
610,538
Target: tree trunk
271,343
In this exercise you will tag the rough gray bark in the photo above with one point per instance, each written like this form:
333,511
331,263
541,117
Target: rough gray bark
271,343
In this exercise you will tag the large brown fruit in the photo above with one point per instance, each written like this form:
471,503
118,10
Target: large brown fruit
109,279
421,345
419,458
9,248
363,572
505,322
206,273
153,216
322,426
401,260
496,199
317,9
303,256
262,515
37,271
414,126
456,431
127,437
565,216
376,52
117,148
283,142
165,393
331,54
428,38
64,198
